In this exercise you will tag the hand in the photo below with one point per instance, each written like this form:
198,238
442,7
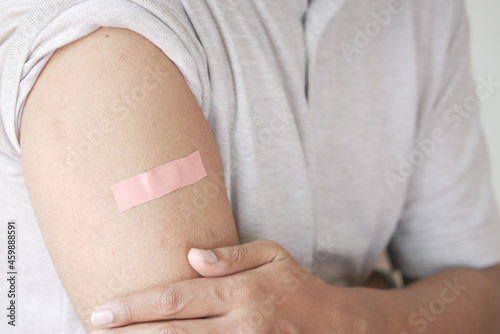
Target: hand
252,288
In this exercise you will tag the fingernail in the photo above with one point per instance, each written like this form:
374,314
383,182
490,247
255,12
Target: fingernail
102,318
207,255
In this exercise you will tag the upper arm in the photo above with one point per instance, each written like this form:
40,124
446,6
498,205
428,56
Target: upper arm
105,108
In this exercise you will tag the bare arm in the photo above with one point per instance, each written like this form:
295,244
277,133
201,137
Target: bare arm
97,85
452,301
455,301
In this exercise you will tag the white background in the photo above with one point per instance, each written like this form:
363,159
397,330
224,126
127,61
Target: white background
484,18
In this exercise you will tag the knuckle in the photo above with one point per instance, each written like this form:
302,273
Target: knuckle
127,313
228,292
248,290
273,244
237,255
170,301
277,249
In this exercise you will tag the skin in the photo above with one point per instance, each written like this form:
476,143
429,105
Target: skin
260,288
139,264
87,87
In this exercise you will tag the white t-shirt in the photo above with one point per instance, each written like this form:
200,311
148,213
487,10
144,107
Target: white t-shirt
344,127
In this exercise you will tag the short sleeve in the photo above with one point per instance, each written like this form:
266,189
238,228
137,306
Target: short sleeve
449,218
51,24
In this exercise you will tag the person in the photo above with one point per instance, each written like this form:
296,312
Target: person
330,131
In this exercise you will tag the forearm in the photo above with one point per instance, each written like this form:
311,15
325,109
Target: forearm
454,301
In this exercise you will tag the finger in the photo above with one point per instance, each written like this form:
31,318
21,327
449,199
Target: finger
195,326
190,299
229,260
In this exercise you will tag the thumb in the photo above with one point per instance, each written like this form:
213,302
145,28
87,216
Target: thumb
230,260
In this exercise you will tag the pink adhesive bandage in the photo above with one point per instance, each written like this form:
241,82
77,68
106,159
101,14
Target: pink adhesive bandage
159,181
